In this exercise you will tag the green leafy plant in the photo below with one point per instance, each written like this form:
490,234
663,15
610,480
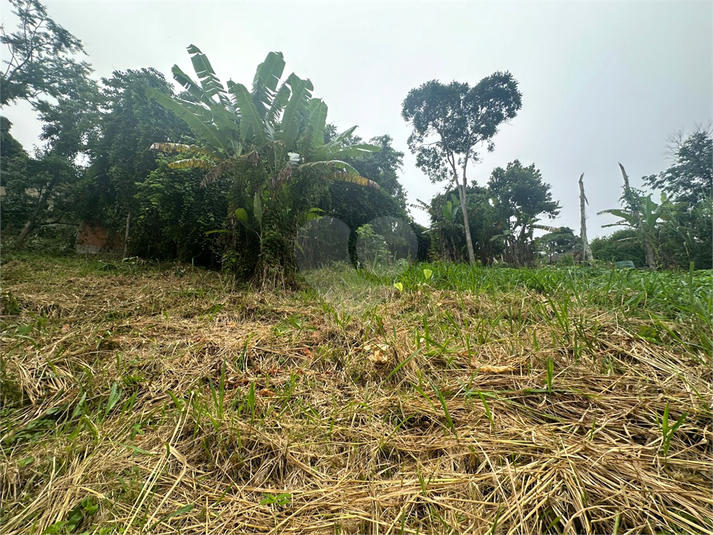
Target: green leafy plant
283,498
114,398
642,215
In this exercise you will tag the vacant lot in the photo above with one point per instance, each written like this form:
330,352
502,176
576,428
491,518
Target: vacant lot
160,399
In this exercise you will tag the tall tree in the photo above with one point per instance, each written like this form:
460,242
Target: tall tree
42,56
71,123
121,155
49,192
690,177
41,61
521,198
451,121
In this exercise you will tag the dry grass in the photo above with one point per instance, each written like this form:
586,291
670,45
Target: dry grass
134,402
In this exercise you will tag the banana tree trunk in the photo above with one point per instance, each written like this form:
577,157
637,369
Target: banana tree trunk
649,252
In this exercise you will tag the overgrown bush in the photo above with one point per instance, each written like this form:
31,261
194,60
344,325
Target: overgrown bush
175,215
621,245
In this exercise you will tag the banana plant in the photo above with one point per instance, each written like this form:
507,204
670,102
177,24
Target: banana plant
643,215
445,221
269,138
450,210
519,245
281,126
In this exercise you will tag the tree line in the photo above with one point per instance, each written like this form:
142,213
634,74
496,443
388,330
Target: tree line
226,173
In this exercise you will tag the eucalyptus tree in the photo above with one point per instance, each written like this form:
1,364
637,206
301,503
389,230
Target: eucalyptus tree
270,140
450,122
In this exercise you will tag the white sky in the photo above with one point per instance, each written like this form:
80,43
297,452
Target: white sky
602,82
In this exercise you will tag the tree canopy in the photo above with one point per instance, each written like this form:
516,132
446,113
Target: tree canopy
521,197
255,162
120,153
42,56
690,177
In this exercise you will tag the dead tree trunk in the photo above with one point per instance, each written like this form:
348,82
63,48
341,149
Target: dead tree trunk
586,250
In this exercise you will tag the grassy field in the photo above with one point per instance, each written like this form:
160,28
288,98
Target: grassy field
159,399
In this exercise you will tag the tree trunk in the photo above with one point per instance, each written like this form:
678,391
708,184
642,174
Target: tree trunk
586,250
523,250
464,209
32,221
20,240
649,252
126,234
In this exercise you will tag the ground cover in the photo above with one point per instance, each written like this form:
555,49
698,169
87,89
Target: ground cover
161,399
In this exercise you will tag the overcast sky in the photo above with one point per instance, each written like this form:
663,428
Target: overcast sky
602,82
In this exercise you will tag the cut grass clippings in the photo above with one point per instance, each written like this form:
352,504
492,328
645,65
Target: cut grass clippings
137,399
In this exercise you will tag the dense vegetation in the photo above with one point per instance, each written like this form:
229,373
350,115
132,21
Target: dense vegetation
224,176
